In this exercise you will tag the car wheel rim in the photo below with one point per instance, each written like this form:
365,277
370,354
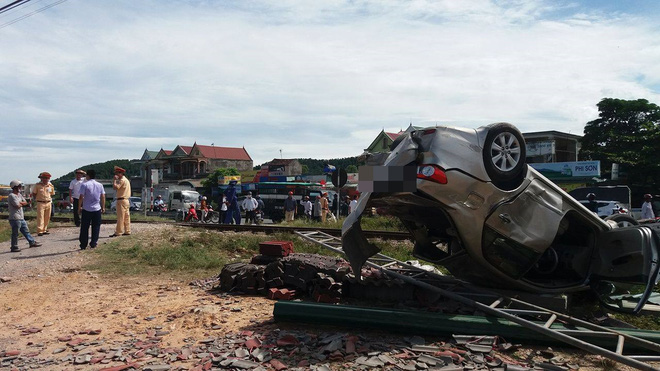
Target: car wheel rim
505,152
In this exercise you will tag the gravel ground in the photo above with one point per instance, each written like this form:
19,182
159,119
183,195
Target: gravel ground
60,251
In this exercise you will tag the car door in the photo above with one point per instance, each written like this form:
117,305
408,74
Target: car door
518,232
625,263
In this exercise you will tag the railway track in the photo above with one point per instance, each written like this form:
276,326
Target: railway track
265,228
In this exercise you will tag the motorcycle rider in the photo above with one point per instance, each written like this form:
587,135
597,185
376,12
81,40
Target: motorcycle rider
592,205
159,204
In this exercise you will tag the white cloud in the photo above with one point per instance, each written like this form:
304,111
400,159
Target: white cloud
317,79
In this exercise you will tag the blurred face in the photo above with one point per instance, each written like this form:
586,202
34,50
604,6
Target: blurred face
79,176
45,180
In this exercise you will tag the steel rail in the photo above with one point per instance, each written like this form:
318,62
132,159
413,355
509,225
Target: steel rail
633,361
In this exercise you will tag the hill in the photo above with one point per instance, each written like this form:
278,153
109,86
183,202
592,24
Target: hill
105,170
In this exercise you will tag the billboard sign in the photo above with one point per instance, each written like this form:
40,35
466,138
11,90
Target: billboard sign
567,170
224,180
540,148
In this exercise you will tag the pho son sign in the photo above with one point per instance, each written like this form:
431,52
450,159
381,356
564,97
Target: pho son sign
564,170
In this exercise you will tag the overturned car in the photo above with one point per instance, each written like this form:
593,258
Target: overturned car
489,218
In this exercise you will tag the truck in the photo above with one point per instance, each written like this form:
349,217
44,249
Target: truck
5,190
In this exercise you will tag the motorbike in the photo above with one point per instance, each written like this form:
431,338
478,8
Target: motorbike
162,207
258,217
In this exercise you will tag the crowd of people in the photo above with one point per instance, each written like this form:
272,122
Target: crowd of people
88,199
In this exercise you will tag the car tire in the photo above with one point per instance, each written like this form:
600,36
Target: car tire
504,155
623,220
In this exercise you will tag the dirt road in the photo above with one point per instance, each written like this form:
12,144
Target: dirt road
55,315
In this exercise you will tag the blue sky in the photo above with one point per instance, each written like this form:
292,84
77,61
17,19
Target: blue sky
90,81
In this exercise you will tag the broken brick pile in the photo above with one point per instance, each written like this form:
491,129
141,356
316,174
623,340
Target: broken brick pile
276,349
279,273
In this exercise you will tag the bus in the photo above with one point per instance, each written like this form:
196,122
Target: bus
273,195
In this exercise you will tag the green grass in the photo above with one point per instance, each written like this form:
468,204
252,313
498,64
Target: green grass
5,229
184,252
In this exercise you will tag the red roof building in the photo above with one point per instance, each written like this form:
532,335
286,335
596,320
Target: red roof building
196,161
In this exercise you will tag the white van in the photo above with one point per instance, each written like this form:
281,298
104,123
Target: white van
181,200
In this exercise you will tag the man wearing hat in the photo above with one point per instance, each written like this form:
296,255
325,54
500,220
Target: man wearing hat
290,208
74,194
233,212
17,222
325,210
42,193
122,193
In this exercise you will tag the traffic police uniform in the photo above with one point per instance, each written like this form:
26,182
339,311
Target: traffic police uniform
42,194
123,192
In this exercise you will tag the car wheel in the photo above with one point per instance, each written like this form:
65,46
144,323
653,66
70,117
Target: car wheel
504,155
623,220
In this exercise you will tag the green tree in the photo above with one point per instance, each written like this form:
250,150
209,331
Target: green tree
351,169
212,179
626,132
305,169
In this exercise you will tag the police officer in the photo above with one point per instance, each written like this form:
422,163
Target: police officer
42,193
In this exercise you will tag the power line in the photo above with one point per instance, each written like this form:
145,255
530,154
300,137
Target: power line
9,13
31,13
12,5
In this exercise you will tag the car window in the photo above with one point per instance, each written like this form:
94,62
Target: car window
507,255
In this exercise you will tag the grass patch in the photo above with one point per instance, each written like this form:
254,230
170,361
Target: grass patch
5,230
185,252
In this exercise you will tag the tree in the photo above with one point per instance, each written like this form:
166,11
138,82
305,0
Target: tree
212,179
626,132
351,169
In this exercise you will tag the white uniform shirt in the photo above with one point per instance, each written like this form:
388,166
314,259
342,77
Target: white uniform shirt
352,206
249,204
647,211
74,187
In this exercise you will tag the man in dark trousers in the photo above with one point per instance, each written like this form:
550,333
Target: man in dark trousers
91,206
233,212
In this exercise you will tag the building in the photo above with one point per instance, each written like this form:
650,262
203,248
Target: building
385,139
279,169
192,162
551,146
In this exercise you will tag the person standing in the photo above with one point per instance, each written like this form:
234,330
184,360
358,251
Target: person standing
123,192
233,211
290,208
42,193
353,205
17,222
307,207
91,207
324,206
204,208
317,209
647,207
223,209
74,192
250,206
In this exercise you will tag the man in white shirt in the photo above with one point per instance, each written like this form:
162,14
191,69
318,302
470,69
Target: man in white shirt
353,205
250,206
647,207
307,207
74,194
